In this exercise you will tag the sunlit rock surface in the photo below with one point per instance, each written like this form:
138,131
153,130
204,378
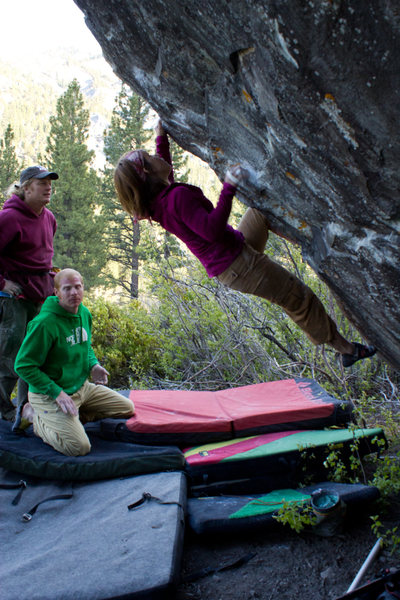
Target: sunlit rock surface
306,94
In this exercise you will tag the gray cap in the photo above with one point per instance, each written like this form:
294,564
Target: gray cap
36,172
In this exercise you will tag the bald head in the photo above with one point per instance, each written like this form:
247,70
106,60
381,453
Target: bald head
68,287
65,274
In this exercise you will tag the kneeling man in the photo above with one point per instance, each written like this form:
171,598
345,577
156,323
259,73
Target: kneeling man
56,359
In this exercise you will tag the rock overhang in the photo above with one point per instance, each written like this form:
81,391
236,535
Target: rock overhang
305,94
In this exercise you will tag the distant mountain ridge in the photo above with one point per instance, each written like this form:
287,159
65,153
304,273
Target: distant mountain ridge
31,85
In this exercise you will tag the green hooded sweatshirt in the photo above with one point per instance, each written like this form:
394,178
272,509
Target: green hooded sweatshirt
56,354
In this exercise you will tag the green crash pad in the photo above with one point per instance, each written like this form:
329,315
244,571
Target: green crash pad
273,460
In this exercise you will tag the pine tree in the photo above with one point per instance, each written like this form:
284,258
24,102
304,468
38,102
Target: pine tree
180,162
126,131
9,165
79,239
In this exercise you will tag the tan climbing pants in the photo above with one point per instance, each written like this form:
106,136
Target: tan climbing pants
253,272
66,432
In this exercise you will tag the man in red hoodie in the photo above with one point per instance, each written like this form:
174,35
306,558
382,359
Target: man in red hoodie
27,231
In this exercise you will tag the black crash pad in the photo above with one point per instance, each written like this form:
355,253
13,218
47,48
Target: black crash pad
234,514
27,454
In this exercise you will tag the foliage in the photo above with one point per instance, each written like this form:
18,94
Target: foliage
384,473
387,475
9,165
390,538
339,469
298,515
198,322
124,341
79,239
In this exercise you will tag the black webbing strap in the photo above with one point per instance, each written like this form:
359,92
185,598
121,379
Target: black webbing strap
28,515
146,497
212,570
14,486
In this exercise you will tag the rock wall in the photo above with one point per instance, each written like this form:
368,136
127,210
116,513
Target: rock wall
304,93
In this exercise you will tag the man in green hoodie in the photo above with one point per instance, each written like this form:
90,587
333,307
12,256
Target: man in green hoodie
56,359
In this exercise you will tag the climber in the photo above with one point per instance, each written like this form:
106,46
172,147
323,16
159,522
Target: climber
146,190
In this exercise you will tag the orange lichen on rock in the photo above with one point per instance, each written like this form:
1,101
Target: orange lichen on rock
247,96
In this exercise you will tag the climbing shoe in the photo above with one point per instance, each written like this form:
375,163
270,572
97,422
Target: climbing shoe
359,353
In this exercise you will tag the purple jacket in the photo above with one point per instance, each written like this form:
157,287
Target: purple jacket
26,248
183,210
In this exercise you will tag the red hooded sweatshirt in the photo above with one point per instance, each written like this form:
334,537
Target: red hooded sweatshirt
26,248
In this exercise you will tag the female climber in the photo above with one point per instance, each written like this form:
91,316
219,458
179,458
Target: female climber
146,190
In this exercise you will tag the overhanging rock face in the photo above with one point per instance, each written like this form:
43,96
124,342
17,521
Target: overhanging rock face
306,94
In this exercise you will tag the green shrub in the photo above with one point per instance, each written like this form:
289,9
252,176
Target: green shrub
298,515
124,341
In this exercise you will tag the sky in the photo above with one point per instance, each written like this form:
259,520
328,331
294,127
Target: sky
30,27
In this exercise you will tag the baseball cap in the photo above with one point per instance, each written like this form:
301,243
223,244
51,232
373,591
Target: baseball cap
36,172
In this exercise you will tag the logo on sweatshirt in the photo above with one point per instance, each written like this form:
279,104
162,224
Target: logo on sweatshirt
78,335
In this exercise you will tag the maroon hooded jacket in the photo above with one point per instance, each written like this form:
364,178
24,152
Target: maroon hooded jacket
26,248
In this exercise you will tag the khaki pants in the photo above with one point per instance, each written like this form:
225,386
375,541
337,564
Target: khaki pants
65,432
253,272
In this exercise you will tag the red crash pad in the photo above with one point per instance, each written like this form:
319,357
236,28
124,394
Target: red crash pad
175,416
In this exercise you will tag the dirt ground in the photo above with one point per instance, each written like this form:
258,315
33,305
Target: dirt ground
284,565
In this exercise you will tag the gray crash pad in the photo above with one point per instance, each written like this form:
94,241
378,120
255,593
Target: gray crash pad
88,545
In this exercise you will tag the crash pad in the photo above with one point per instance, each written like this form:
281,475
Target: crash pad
27,454
185,417
233,514
272,460
87,545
